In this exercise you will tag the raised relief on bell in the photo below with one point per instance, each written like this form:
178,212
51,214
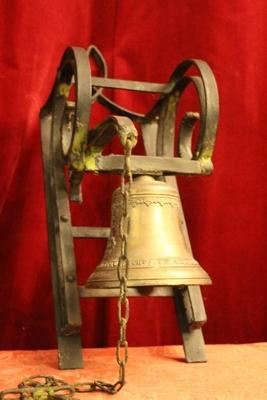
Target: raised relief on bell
146,202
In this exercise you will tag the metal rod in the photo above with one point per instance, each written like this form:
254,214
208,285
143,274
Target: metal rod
131,85
90,232
148,165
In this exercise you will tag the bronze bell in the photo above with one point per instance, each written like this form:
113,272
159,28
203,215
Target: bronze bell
156,247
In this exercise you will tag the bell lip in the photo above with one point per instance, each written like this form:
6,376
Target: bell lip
133,283
174,275
136,291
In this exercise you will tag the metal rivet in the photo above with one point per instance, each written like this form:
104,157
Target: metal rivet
70,278
64,218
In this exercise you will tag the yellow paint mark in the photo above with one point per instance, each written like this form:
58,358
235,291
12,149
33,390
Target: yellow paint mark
91,156
77,155
63,89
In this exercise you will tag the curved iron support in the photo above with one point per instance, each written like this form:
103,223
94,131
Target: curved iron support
206,88
73,71
186,130
204,84
95,53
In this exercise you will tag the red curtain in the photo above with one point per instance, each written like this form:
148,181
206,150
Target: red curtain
226,213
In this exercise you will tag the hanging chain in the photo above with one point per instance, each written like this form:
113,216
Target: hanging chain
123,263
45,387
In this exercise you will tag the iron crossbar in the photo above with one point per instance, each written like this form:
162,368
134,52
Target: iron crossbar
131,85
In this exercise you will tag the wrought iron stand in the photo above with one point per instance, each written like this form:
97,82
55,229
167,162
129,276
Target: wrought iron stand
65,141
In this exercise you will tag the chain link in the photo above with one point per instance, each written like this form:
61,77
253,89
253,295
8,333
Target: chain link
40,387
45,387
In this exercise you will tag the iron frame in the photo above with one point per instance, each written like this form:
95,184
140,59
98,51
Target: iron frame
158,130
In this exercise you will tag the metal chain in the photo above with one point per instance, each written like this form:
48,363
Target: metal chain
40,387
45,387
123,263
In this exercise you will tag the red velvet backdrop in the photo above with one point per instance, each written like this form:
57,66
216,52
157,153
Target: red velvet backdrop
226,213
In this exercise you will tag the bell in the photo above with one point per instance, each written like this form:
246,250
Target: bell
156,247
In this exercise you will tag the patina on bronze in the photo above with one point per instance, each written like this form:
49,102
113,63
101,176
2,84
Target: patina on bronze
68,143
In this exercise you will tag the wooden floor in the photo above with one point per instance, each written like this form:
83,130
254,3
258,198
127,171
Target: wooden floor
155,373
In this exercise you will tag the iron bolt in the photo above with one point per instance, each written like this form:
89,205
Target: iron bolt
70,278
